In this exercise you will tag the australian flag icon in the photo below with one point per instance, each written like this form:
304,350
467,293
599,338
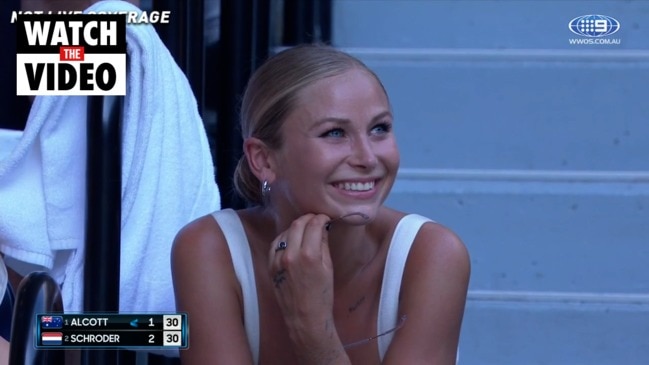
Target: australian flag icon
52,322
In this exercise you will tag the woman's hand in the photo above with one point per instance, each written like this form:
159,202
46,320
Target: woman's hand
300,266
301,269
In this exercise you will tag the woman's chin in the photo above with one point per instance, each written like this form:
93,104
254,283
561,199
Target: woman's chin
356,216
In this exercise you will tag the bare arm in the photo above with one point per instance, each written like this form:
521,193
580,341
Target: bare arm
4,351
433,296
206,289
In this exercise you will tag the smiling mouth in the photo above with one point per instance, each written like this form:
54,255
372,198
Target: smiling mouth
356,186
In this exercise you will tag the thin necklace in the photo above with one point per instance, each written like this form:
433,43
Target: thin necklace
400,324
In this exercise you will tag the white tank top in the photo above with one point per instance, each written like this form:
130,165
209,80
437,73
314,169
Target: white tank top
402,239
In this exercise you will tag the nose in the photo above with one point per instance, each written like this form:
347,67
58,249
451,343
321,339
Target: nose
363,155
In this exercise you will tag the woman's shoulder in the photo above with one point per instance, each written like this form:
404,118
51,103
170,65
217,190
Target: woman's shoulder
204,280
199,230
433,291
432,238
209,233
200,251
201,238
438,250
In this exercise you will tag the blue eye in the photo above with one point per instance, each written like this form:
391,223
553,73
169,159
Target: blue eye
382,128
335,133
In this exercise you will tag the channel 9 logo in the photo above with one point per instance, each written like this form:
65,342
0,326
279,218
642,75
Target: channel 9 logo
594,25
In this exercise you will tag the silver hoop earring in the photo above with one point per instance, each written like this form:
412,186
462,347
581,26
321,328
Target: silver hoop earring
265,188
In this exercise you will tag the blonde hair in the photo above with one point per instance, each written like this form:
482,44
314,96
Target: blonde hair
272,93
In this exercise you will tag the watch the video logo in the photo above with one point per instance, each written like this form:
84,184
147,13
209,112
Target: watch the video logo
79,54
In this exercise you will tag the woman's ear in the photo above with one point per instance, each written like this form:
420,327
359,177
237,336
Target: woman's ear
259,159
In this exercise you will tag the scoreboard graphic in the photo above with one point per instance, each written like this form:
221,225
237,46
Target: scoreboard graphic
111,331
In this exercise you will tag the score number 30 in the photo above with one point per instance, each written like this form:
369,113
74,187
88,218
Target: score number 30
172,326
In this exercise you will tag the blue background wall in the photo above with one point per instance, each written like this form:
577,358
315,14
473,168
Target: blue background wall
536,152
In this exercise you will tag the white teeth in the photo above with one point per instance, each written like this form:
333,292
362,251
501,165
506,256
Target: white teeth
356,186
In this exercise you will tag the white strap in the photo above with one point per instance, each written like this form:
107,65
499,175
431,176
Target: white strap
402,239
237,241
3,279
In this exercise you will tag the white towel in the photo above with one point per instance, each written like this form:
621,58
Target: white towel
167,178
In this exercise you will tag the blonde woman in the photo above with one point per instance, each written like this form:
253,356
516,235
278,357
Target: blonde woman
318,270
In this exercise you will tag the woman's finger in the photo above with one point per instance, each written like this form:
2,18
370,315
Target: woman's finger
314,236
286,246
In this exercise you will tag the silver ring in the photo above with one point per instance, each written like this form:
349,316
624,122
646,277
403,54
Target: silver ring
281,246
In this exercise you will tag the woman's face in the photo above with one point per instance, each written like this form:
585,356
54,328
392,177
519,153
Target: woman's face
339,154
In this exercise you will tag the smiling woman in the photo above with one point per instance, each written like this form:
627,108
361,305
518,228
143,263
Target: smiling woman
318,270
